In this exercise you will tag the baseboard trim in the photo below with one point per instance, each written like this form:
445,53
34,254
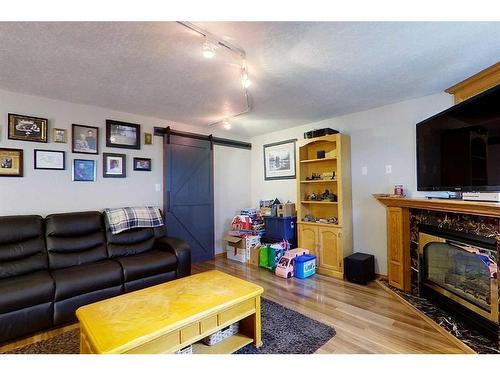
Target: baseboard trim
221,255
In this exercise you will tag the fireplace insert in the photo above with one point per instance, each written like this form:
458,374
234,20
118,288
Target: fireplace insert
460,270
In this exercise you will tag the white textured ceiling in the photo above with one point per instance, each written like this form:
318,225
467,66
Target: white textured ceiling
301,72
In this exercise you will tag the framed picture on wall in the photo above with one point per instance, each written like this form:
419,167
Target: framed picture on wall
84,139
52,160
279,160
142,164
84,170
27,128
123,134
59,135
11,162
148,138
114,165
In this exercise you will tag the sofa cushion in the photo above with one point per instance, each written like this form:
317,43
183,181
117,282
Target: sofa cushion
75,238
147,264
130,242
23,291
86,278
22,245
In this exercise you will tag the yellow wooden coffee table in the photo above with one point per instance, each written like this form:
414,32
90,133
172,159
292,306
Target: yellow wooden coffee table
170,316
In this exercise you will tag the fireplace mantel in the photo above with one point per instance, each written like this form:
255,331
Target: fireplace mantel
446,205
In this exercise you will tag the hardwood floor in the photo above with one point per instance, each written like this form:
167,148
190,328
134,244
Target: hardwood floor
368,319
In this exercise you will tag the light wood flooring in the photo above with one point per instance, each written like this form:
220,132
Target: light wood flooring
368,319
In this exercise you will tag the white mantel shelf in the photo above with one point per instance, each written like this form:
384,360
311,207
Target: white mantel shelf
446,205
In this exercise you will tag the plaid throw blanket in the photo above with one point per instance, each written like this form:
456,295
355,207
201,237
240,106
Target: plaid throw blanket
121,219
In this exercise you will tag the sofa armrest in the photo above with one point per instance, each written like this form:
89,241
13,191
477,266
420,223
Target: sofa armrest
180,249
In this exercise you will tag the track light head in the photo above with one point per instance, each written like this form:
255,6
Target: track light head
226,125
208,49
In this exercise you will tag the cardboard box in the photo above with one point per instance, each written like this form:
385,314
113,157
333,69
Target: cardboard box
238,248
286,210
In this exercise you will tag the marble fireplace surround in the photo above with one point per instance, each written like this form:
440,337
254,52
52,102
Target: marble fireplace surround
403,218
481,226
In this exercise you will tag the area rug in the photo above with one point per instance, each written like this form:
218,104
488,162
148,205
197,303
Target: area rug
284,331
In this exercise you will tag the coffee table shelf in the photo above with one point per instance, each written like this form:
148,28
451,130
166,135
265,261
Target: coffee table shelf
226,346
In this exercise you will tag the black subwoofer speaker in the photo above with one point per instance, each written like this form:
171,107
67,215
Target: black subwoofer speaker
359,268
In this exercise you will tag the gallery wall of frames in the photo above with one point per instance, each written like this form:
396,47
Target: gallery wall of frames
82,140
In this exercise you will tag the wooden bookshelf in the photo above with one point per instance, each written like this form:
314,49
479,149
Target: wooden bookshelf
329,242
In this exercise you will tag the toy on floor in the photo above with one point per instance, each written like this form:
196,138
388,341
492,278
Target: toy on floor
305,266
270,254
286,265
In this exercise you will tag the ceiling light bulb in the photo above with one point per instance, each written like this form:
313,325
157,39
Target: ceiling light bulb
226,125
246,83
208,50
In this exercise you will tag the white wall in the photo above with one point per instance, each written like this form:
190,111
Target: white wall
231,188
44,192
379,137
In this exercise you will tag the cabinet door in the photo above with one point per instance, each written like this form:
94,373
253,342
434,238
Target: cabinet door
398,246
308,238
330,248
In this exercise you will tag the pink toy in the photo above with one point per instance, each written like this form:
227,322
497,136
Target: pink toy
285,267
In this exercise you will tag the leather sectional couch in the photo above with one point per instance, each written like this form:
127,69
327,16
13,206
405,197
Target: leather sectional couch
50,267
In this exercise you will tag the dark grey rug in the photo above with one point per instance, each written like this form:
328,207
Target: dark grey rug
284,331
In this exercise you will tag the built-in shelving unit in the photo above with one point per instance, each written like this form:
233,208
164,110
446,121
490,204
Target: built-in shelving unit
329,242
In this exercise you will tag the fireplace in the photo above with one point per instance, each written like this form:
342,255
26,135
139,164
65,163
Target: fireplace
460,268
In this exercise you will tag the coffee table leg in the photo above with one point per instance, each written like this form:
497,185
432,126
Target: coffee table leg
258,324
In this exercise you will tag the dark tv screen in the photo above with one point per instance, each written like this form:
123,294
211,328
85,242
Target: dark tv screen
459,148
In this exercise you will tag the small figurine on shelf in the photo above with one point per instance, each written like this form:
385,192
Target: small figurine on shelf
333,220
309,218
312,197
328,175
327,196
316,176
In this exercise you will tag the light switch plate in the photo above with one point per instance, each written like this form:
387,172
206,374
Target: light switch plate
388,169
364,171
157,187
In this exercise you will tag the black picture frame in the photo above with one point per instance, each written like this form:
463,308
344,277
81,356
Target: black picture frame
89,145
37,164
288,170
7,162
142,164
84,170
106,170
115,139
33,129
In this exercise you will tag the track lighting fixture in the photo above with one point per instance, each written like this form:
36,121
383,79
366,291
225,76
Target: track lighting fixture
208,49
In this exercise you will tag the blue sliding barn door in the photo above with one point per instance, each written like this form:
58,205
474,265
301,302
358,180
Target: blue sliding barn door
189,193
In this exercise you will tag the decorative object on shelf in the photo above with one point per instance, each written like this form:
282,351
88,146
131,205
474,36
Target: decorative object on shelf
314,176
328,196
312,197
27,128
114,165
333,220
309,218
84,139
398,190
51,160
328,175
222,334
59,135
123,134
279,160
320,154
11,162
142,164
84,170
148,138
319,133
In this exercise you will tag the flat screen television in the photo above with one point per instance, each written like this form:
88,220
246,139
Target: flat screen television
459,148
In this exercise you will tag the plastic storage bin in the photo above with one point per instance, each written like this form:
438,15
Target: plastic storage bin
305,266
281,228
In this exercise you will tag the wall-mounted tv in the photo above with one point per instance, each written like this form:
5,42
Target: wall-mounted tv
459,148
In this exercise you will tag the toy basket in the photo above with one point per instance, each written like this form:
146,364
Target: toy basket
305,266
224,333
186,350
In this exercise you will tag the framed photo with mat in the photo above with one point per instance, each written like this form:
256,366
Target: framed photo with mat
84,170
114,165
279,160
84,139
51,160
11,162
123,134
142,164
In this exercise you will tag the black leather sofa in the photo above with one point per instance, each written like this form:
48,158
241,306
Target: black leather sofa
50,267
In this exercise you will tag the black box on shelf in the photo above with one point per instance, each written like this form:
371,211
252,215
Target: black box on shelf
359,268
319,133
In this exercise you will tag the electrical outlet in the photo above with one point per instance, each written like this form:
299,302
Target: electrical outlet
157,187
388,169
364,171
